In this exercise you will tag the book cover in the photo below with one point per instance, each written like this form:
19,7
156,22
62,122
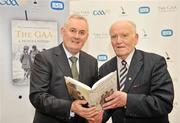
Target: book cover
28,39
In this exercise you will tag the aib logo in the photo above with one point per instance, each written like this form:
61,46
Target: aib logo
57,5
99,12
144,10
166,32
9,2
102,57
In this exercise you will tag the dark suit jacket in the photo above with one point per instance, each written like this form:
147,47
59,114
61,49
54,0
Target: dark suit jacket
149,87
48,92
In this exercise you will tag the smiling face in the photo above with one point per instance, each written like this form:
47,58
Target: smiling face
123,38
75,34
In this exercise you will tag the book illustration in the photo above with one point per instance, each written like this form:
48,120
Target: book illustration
104,95
73,92
95,95
27,59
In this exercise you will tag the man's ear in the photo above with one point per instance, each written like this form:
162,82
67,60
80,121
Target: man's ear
61,30
136,38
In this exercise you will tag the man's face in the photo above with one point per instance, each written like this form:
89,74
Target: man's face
123,39
74,34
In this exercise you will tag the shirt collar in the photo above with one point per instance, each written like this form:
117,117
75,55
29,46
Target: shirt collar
128,59
68,54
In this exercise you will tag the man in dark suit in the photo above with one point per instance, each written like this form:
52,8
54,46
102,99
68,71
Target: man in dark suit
48,91
145,89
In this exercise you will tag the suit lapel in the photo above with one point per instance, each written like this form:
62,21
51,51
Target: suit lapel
113,64
62,61
112,67
82,67
134,68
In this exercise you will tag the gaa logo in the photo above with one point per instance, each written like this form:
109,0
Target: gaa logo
144,10
57,5
167,32
9,2
102,57
99,12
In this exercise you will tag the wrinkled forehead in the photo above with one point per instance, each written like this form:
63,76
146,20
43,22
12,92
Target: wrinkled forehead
77,23
123,26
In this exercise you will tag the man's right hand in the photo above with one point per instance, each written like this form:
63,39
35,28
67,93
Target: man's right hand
87,113
98,118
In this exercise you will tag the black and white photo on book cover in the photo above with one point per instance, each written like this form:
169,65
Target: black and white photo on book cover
28,39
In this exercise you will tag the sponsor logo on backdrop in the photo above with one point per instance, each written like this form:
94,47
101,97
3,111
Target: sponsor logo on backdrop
167,8
122,11
144,34
9,2
101,12
167,56
97,12
57,5
144,10
102,57
35,2
100,35
84,13
166,32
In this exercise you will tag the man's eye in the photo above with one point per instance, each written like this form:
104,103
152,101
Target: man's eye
125,35
82,33
114,36
73,30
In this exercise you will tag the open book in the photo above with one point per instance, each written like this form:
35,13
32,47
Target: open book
95,95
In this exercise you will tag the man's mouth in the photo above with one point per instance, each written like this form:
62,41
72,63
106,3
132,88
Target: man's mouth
120,47
77,42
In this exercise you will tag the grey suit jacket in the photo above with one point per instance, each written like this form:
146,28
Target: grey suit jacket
48,92
149,87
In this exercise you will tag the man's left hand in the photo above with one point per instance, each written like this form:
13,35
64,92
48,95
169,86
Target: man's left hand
117,99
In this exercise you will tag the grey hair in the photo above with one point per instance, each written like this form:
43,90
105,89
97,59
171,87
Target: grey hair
74,16
127,21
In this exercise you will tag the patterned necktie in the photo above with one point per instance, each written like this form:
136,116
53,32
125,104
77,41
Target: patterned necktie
74,70
123,74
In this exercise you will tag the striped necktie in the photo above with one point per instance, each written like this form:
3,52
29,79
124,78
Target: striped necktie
74,70
123,74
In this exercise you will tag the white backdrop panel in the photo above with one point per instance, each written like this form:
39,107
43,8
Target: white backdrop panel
14,100
157,24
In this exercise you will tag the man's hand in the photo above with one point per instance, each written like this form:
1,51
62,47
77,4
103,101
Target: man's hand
117,99
97,118
87,113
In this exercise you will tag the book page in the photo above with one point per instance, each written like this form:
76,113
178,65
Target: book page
105,79
103,88
78,83
76,89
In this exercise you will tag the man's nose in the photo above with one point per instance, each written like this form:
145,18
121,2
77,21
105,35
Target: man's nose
119,39
76,35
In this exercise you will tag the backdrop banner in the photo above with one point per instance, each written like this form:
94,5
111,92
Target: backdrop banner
24,24
157,25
